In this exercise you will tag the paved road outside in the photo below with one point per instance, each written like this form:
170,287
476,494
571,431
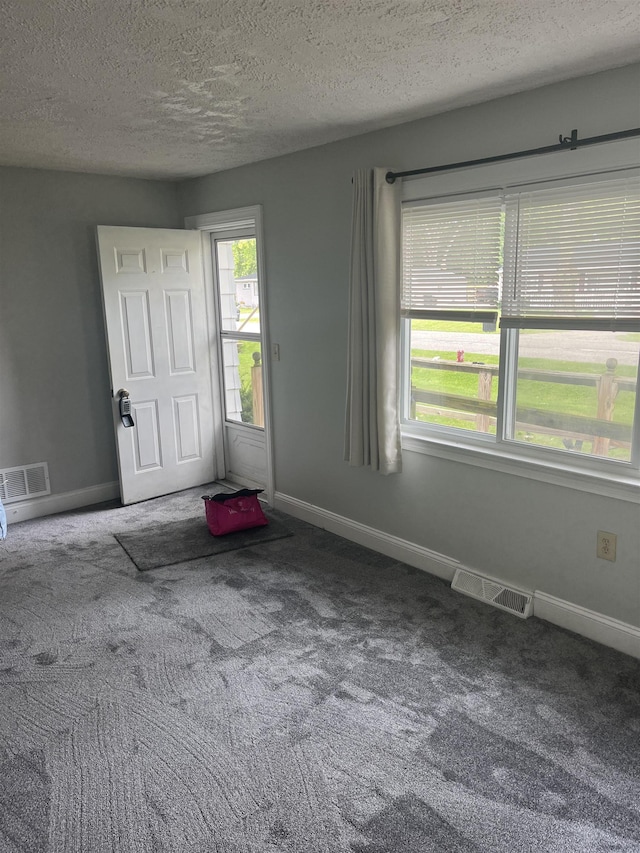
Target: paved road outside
586,346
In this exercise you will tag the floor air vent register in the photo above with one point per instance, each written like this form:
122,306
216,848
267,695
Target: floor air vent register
485,589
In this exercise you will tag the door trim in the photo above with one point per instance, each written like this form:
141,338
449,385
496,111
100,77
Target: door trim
231,221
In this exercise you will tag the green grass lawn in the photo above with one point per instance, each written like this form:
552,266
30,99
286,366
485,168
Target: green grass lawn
548,396
476,328
445,326
562,398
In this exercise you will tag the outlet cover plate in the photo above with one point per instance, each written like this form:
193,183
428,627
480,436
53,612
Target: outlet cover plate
606,547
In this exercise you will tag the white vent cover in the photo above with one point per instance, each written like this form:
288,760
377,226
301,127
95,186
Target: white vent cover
485,589
27,481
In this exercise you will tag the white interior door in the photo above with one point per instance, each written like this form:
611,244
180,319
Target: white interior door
159,351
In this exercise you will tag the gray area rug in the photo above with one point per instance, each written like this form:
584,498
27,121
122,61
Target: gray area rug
188,539
304,695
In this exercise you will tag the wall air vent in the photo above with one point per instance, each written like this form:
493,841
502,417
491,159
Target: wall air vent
493,592
27,481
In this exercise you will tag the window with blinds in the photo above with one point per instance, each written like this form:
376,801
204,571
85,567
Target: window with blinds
451,259
572,257
560,262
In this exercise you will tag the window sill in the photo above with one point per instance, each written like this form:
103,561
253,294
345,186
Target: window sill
623,486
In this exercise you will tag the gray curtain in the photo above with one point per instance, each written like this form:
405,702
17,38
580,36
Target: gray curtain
372,434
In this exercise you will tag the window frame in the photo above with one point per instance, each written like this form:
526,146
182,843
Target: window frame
500,453
241,233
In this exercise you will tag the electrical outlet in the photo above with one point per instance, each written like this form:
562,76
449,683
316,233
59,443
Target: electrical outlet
606,547
275,352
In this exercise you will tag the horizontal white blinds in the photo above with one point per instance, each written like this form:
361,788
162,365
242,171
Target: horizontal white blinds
451,259
572,257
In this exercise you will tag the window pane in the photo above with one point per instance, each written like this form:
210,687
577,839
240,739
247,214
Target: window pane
572,256
454,374
243,381
452,256
576,391
238,279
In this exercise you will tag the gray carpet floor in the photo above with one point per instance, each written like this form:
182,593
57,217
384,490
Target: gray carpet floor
304,695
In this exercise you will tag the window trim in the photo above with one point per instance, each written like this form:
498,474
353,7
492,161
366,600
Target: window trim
233,334
626,488
602,477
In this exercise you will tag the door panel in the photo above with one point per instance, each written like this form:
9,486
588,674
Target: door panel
245,455
179,328
187,427
134,309
146,438
159,350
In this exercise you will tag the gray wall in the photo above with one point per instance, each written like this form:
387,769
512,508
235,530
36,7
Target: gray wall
536,535
52,346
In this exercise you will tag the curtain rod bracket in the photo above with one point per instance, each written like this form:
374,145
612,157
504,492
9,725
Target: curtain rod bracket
569,140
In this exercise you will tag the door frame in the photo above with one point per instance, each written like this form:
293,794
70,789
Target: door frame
231,221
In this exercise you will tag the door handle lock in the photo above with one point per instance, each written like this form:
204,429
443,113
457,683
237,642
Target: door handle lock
125,408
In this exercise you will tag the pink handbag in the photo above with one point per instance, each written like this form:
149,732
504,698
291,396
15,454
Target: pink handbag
229,512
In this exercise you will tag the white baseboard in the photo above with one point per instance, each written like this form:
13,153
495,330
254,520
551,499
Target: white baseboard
377,540
588,623
51,504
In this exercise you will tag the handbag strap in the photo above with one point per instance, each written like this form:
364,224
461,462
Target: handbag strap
221,497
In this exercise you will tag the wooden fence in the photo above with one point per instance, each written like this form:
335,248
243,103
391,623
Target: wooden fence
257,390
601,429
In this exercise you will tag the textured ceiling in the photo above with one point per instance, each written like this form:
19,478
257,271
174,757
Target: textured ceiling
177,88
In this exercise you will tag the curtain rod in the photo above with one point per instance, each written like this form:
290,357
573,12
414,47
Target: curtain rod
566,143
